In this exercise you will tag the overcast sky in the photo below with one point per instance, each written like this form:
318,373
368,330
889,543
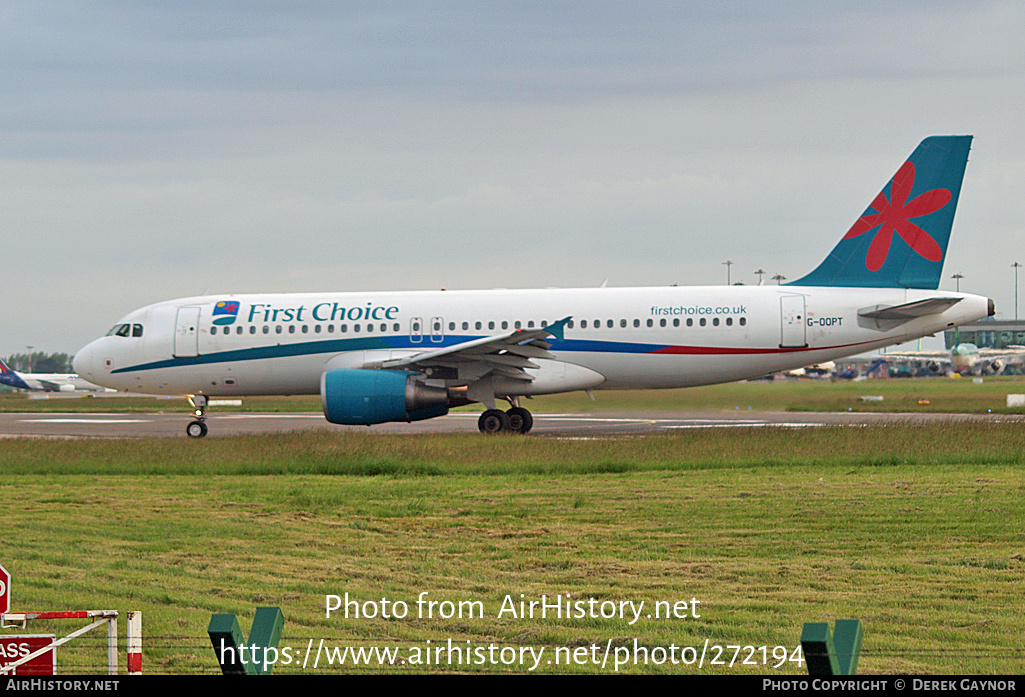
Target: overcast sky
151,150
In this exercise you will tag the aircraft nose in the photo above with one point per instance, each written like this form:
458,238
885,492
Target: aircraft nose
84,361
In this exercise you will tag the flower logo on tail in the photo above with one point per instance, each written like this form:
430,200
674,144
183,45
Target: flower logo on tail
894,215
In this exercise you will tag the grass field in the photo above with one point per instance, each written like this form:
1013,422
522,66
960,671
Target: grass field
916,530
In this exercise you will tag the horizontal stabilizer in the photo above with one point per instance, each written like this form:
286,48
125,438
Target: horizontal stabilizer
908,311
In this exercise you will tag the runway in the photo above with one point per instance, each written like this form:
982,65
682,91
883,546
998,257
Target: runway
606,424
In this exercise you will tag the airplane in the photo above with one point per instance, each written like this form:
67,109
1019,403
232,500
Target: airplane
962,358
819,370
47,382
379,357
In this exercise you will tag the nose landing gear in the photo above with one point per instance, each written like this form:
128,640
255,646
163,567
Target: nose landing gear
197,428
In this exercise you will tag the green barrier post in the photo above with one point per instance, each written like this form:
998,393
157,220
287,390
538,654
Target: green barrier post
234,655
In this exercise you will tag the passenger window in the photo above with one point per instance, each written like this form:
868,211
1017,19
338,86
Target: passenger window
505,324
743,321
517,325
637,324
238,330
715,322
395,327
491,325
291,329
277,329
622,323
583,324
702,321
662,322
610,324
729,321
466,325
252,328
355,328
213,330
477,325
266,329
690,322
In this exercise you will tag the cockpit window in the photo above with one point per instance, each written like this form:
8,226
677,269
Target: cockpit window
125,330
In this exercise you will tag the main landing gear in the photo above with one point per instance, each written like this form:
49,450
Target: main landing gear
516,420
197,428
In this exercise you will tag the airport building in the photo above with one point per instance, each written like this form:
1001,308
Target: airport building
989,333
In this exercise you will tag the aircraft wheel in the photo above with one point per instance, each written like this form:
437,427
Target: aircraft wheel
520,420
493,421
196,429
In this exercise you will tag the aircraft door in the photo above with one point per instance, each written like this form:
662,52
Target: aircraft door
792,320
186,333
416,330
437,329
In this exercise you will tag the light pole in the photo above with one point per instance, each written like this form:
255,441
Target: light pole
30,357
728,263
957,277
779,278
760,273
1016,266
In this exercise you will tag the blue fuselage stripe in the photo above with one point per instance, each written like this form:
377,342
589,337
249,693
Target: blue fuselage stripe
334,346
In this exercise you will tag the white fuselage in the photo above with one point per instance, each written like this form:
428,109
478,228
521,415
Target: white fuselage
619,338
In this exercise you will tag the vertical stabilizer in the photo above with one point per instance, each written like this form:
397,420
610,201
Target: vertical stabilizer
900,240
10,378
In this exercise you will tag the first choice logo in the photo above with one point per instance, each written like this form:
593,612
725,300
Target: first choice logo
322,312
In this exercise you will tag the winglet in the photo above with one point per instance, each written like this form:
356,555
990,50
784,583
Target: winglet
556,328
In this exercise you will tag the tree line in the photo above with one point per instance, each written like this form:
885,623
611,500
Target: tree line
40,362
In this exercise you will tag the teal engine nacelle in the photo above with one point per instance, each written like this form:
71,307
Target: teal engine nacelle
363,396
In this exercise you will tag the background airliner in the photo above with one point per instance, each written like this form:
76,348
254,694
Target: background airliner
47,382
966,358
406,356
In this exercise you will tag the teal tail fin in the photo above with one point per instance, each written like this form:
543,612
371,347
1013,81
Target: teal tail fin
900,240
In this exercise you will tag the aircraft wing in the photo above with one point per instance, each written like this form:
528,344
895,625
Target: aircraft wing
993,361
503,355
935,362
917,355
